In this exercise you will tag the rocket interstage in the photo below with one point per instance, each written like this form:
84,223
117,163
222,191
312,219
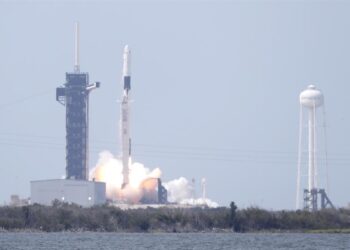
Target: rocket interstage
125,116
126,70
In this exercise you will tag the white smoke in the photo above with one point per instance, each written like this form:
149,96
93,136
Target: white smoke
109,170
199,202
181,191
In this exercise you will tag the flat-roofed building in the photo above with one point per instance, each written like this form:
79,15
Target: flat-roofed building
81,192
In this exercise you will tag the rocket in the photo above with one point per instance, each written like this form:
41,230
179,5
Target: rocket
125,116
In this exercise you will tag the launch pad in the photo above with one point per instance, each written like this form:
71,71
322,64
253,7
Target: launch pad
76,187
311,200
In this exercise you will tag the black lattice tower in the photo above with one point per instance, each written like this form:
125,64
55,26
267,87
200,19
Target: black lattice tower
74,94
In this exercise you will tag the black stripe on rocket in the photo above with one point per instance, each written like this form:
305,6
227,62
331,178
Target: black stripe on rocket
127,83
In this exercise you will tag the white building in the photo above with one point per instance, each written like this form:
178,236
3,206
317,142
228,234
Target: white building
81,192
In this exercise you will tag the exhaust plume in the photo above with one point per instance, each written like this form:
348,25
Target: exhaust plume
181,191
110,170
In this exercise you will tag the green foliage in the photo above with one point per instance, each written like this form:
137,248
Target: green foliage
62,216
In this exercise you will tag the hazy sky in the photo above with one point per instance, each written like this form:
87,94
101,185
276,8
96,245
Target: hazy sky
215,87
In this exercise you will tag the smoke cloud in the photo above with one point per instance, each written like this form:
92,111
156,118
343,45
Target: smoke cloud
182,191
109,170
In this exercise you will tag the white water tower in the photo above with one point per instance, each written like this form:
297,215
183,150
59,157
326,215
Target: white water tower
310,99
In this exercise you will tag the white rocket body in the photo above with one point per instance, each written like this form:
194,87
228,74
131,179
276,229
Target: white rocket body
125,117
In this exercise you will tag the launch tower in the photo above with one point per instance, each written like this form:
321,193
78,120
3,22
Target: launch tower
74,95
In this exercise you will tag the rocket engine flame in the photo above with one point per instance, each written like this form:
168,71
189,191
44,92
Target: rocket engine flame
141,182
110,170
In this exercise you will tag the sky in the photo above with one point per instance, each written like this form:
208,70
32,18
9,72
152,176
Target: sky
215,88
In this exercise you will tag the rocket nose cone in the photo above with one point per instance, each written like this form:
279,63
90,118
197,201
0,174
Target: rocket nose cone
126,58
126,49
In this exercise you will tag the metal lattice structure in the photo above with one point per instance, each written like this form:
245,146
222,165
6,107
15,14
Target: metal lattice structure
311,200
74,94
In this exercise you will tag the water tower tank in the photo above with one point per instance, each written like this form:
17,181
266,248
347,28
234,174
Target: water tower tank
311,97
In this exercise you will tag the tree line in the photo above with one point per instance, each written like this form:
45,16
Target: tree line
70,217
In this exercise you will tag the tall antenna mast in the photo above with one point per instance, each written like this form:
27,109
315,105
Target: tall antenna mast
204,188
76,57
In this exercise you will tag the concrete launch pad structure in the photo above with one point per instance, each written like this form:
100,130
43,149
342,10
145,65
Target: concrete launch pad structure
154,192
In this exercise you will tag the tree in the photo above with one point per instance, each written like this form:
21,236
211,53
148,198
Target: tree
233,209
